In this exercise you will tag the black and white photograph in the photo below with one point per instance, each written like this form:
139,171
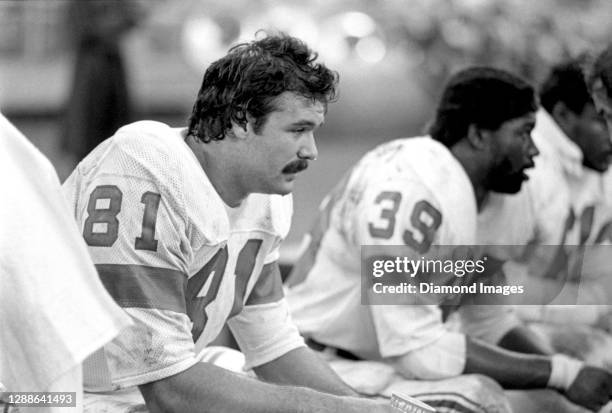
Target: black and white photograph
343,206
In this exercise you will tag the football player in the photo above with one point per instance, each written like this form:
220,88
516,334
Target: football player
424,192
563,205
184,227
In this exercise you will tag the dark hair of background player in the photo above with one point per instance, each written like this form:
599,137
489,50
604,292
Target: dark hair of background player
483,96
247,79
566,84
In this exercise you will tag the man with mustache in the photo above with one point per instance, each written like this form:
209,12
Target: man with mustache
423,193
184,227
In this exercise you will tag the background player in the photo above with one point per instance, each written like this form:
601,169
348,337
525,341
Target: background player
564,202
423,192
184,226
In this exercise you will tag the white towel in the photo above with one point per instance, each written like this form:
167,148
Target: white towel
54,311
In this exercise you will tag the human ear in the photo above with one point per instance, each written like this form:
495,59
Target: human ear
239,131
477,137
600,97
563,115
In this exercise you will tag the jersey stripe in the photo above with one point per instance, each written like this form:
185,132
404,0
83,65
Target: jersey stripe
269,286
145,287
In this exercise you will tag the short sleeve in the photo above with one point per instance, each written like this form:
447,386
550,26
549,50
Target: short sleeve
281,212
264,329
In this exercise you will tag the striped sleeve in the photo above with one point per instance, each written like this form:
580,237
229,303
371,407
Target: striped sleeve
264,329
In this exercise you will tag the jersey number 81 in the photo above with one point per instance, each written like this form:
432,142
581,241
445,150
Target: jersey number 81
101,228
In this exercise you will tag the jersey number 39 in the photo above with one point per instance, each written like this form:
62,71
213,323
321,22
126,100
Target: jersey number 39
425,219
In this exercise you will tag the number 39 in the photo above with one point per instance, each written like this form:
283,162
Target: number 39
425,218
101,227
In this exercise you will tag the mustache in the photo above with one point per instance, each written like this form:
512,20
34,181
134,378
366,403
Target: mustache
295,166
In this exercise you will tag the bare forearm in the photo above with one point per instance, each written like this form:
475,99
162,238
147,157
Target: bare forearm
303,367
207,388
523,340
509,368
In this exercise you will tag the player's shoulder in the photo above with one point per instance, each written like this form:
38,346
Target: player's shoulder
398,149
143,145
148,137
152,156
155,152
418,158
427,170
406,171
264,212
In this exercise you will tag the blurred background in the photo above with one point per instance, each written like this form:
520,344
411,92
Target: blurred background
71,72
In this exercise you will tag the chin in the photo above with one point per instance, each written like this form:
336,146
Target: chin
508,186
284,191
511,190
601,168
282,188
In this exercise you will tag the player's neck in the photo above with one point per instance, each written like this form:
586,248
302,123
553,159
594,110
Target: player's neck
226,185
475,169
220,174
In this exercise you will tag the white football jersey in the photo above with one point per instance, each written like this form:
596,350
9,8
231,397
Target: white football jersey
171,252
405,192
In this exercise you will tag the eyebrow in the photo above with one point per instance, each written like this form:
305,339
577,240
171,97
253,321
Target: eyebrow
529,125
305,123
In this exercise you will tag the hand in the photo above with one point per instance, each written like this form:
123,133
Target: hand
592,388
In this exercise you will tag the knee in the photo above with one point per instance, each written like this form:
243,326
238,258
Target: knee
486,393
480,383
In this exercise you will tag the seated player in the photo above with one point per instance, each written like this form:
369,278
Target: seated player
424,192
562,214
184,227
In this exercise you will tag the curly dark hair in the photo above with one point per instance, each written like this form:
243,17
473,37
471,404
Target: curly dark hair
248,79
566,83
482,96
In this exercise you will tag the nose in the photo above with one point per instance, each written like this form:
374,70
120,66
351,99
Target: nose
532,149
308,148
